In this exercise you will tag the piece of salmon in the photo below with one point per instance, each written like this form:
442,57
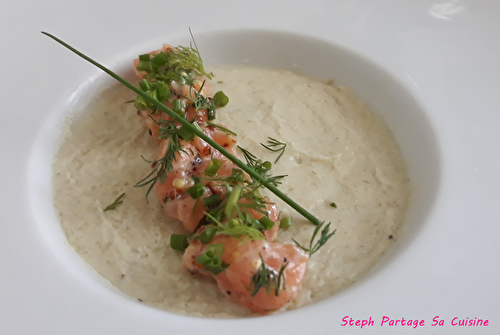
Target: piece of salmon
244,259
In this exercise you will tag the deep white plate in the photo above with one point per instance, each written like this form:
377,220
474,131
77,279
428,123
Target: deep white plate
438,63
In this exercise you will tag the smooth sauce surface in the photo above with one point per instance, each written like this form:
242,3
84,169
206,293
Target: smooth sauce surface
337,151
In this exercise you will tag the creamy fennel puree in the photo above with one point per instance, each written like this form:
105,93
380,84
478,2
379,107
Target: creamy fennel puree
337,151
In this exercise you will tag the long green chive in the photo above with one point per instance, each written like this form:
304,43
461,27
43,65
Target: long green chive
232,200
214,199
266,222
286,222
196,190
178,242
153,94
256,176
213,167
220,99
197,126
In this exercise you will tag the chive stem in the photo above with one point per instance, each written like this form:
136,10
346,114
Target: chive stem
196,191
232,200
197,132
177,106
214,199
211,114
285,222
178,242
220,99
213,167
267,222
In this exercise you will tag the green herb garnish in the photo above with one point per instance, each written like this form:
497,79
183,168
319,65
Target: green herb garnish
332,204
211,260
213,167
206,235
212,200
117,202
177,106
234,227
262,168
281,277
275,146
266,223
286,222
163,165
196,191
211,114
180,64
232,201
186,133
178,242
224,129
268,278
157,90
199,100
220,99
324,237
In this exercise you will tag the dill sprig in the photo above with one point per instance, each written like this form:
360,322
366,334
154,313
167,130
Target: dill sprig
115,204
199,100
180,64
250,171
268,278
262,168
162,166
224,129
193,56
324,237
274,145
